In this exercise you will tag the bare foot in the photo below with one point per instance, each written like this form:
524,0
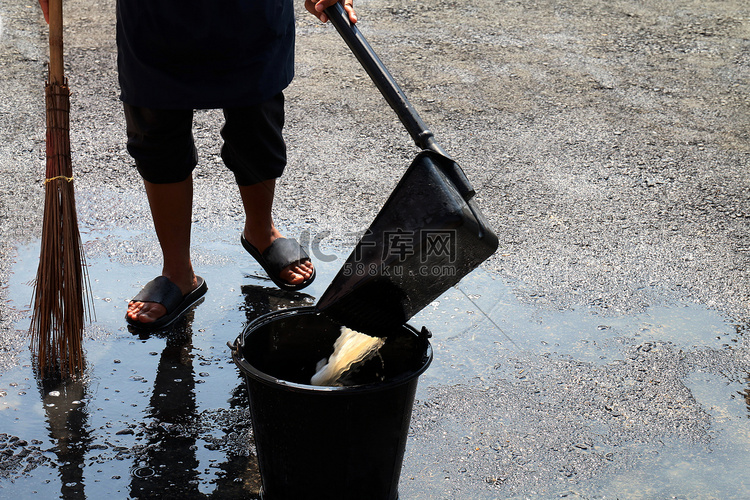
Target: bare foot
148,312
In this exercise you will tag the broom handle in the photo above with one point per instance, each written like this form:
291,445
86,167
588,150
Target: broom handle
56,72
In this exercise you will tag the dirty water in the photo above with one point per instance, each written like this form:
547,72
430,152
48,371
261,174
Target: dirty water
156,412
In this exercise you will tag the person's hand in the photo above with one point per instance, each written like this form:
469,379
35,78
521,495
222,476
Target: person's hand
45,9
316,8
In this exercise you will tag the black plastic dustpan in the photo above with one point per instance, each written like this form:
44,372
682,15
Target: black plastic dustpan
428,235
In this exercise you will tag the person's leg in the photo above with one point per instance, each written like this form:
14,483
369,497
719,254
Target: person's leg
161,143
254,149
260,231
171,209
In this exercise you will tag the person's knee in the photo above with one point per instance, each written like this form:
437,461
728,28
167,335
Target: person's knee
161,143
254,148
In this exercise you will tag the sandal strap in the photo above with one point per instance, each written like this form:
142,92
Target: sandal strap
282,253
162,291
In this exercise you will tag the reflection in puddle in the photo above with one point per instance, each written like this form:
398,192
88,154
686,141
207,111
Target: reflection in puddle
67,423
170,411
151,413
169,437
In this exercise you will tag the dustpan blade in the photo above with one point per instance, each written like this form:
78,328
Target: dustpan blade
428,235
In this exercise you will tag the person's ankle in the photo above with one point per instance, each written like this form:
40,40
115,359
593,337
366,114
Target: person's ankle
261,237
186,281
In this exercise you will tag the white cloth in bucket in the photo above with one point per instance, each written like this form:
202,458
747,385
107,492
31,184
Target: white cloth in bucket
351,347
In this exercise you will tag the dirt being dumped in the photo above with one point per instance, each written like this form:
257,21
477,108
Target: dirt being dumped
350,348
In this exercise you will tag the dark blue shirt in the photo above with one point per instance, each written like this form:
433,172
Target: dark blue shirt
177,54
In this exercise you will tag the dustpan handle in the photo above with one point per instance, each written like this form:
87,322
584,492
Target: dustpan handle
382,78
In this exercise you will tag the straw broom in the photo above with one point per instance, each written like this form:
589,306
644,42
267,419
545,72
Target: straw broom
59,300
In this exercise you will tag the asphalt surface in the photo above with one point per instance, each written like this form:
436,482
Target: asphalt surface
609,144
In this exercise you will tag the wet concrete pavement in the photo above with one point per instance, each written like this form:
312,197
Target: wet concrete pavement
602,352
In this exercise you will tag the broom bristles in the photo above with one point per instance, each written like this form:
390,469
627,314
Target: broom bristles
60,304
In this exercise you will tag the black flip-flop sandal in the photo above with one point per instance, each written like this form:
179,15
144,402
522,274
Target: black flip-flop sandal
162,291
282,253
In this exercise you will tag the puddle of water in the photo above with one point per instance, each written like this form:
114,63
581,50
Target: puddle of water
156,412
721,463
152,411
482,316
482,320
690,470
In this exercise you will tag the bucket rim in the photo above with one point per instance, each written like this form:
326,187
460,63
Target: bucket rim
260,376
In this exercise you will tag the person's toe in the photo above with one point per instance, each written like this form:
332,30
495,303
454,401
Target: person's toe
145,312
297,273
305,268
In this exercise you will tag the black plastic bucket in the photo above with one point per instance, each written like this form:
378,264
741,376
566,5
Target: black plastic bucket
327,442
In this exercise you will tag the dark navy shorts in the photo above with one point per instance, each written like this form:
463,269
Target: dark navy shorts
161,142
